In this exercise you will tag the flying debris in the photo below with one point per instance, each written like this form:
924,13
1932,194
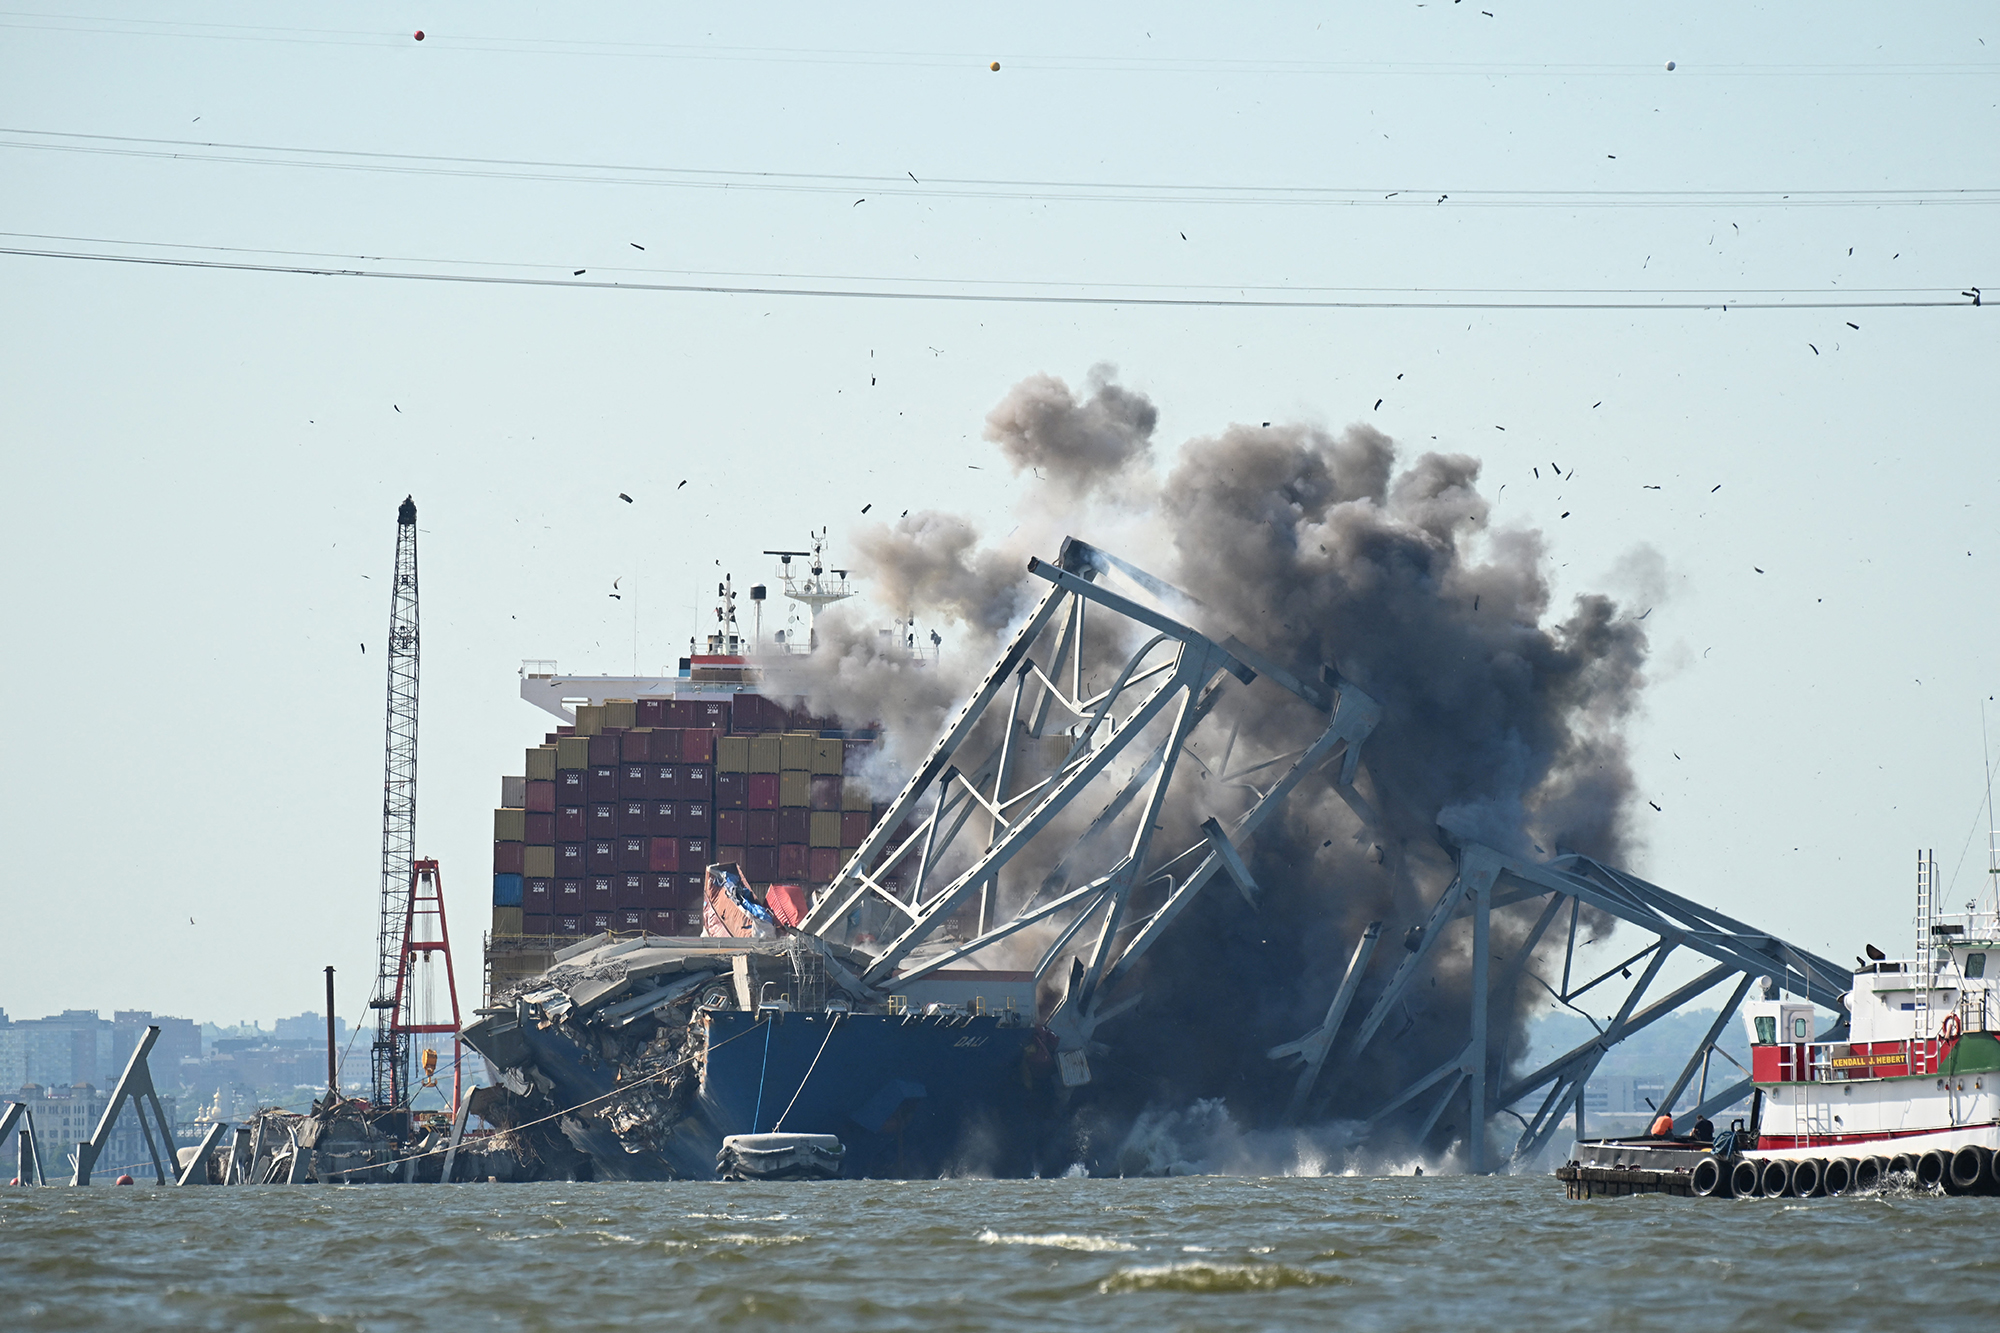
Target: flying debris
1852,325
364,650
1378,405
626,498
865,508
635,245
858,202
579,273
1649,488
619,597
1565,513
1599,403
397,408
1815,349
1656,806
1713,489
1758,570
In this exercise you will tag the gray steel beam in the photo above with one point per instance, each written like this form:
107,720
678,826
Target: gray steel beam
1312,1047
1658,1009
134,1084
1696,1061
1474,865
198,1165
457,1133
1475,1133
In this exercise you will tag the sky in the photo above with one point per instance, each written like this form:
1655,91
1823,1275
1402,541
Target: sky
206,461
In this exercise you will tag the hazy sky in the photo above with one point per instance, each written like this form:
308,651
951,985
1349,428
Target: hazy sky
204,465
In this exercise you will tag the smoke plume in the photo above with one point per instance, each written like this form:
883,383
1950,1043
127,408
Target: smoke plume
1502,718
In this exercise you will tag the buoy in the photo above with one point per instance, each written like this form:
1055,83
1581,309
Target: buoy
15,1181
996,67
420,37
123,1180
1670,64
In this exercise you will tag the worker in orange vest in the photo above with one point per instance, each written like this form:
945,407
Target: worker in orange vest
1663,1127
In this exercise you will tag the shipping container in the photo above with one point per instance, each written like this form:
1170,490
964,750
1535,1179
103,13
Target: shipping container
728,856
795,825
697,746
712,713
600,856
760,864
508,826
663,855
730,791
697,782
597,923
631,919
538,895
572,786
663,818
652,711
569,925
573,752
795,751
823,864
795,788
542,763
760,791
542,795
760,828
569,896
600,893
604,750
537,923
825,828
854,796
571,859
570,824
507,858
729,827
660,891
540,829
635,819
635,747
620,713
824,792
632,891
689,892
694,851
827,755
632,853
695,819
589,719
663,782
604,783
767,753
791,862
635,781
603,816
506,890
507,921
514,792
855,755
732,754
747,713
683,713
854,826
538,859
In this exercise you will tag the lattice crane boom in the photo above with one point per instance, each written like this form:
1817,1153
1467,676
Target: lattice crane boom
390,1054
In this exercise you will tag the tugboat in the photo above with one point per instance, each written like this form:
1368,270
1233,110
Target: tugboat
1904,1088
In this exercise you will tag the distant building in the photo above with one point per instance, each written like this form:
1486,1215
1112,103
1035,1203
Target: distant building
76,1046
309,1027
66,1116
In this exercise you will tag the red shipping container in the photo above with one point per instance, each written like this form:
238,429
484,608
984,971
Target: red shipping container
697,745
570,824
689,895
634,920
760,828
683,713
664,854
730,793
729,826
760,864
537,923
825,793
791,861
854,826
697,782
538,895
663,782
572,786
538,829
569,896
794,826
604,749
572,859
507,858
600,894
604,783
600,856
633,853
569,925
695,817
635,781
629,892
823,864
541,795
760,791
635,819
603,820
651,712
635,747
597,922
694,852
746,714
713,714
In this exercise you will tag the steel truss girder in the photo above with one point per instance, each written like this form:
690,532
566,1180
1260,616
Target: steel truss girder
1180,673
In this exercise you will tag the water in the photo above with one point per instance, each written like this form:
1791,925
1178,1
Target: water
1438,1253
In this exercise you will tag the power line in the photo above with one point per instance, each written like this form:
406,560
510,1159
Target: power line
1441,298
969,187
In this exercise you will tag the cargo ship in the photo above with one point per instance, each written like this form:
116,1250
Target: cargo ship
1902,1087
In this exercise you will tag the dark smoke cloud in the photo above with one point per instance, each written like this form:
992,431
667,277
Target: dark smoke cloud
1501,717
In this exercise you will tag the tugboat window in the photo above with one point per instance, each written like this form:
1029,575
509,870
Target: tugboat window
1801,1030
1767,1031
1975,966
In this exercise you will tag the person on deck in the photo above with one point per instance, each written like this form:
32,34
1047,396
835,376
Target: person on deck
1663,1126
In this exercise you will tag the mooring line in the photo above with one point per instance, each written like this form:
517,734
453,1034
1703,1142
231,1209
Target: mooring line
832,1022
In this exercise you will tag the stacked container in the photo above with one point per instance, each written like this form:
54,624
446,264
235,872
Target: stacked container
617,817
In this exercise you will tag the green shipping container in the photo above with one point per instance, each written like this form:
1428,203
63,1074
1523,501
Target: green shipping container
795,789
854,796
621,713
510,825
589,719
538,862
732,754
826,755
542,764
766,753
796,755
572,752
506,921
825,828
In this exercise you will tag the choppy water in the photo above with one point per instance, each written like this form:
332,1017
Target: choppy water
1438,1253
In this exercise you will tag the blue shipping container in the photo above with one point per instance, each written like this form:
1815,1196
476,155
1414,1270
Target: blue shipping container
507,890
